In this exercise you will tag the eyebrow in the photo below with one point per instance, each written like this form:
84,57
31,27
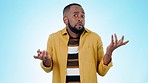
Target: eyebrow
78,12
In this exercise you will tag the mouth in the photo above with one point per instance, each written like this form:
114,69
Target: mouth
80,25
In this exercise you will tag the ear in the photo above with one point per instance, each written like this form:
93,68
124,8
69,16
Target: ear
65,20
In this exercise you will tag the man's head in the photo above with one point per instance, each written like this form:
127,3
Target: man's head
74,17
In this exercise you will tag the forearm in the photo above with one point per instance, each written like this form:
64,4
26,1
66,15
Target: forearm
107,58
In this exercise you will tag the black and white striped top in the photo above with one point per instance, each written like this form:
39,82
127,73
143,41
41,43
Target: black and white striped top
73,74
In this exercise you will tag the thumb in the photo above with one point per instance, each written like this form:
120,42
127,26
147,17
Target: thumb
47,55
36,57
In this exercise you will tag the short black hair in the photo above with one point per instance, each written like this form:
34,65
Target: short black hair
68,7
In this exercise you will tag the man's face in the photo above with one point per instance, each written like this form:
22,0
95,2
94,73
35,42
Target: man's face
76,18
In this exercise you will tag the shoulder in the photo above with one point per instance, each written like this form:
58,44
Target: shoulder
56,34
95,38
93,34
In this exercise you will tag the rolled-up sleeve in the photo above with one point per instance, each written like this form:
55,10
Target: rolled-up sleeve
50,52
46,69
101,68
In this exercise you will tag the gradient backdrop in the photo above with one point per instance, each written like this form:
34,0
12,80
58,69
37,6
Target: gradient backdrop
26,24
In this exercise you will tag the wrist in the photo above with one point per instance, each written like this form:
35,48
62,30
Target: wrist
108,53
47,62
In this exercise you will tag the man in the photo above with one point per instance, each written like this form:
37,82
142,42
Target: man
75,53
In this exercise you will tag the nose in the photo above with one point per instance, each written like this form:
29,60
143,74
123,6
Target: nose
80,19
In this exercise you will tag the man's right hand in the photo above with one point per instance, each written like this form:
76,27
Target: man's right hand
43,55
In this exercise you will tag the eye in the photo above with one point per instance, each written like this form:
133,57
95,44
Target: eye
83,16
75,15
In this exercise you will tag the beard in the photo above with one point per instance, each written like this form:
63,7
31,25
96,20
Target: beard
75,30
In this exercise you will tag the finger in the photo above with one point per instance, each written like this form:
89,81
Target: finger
39,54
38,51
36,57
116,40
47,56
112,39
120,41
122,38
44,55
125,42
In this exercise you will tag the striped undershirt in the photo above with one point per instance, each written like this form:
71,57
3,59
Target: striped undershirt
73,74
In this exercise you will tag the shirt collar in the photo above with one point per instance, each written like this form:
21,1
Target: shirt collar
64,31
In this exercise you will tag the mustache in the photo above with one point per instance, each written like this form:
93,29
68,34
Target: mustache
75,30
80,24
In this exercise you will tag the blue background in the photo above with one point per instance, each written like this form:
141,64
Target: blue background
26,24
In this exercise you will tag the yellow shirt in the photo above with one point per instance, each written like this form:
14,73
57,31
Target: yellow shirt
90,56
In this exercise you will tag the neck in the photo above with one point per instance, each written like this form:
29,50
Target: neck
72,34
